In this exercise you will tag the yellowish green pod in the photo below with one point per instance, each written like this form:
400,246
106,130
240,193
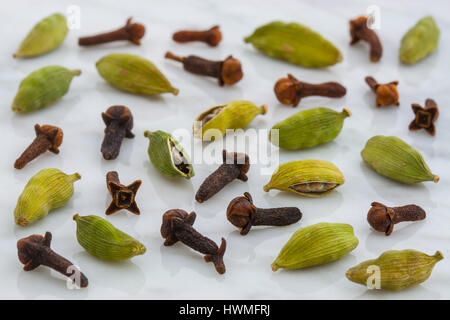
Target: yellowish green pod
394,270
237,114
168,156
295,43
45,36
43,87
308,178
104,241
47,190
309,128
133,74
315,245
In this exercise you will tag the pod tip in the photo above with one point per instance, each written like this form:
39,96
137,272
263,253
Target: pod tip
264,109
438,255
75,216
274,267
436,179
348,112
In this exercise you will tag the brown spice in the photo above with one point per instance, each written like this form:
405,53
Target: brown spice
360,31
386,94
211,36
425,117
119,122
123,197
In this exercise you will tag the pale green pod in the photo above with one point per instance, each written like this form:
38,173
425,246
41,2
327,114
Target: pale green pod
295,43
315,245
43,87
309,178
309,128
104,241
133,74
168,156
237,114
395,270
46,35
420,41
47,190
395,159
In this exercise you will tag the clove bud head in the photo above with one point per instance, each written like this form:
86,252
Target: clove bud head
240,211
286,91
231,71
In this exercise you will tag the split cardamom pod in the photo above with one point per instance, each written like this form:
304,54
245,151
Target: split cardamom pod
168,156
47,190
236,114
309,128
104,241
46,35
420,41
394,269
309,178
395,159
133,74
296,44
43,87
315,245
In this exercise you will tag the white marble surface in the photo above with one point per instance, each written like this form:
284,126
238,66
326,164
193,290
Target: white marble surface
177,272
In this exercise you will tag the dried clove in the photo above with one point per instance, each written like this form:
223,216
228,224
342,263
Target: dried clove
211,36
35,250
119,122
290,90
383,218
123,197
235,166
177,226
425,117
47,138
227,72
131,31
242,213
387,94
359,30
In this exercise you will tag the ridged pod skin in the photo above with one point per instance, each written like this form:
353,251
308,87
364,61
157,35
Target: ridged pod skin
104,241
420,41
309,128
399,269
296,44
315,245
43,87
133,74
395,159
237,114
47,190
168,156
46,35
316,178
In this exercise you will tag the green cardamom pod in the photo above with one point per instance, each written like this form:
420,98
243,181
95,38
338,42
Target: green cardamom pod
309,178
309,128
104,241
315,245
133,74
394,270
420,41
168,156
395,159
295,43
237,114
43,87
46,35
47,190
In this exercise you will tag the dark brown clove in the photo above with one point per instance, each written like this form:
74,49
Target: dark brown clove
211,36
47,138
290,90
123,197
131,31
177,226
35,250
383,218
227,72
425,117
119,122
235,166
242,213
386,94
360,31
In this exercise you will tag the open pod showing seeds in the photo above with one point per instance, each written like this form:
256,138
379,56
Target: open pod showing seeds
215,121
309,178
168,156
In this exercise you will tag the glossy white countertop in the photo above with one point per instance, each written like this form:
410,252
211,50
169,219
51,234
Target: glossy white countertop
178,272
